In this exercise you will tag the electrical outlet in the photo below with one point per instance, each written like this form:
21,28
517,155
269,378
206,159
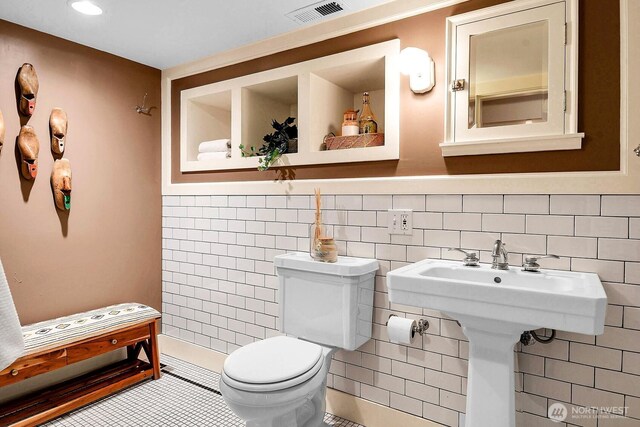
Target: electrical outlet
400,221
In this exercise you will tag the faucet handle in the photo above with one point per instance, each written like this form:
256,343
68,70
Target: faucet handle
471,258
531,263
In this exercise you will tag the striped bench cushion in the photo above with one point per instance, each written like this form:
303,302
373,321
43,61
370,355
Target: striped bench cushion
64,330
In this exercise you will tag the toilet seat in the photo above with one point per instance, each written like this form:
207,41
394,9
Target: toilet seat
272,364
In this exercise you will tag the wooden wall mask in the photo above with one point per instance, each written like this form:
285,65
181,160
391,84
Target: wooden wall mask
61,184
58,125
28,84
29,147
2,130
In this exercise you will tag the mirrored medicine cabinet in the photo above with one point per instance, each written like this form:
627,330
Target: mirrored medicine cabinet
512,75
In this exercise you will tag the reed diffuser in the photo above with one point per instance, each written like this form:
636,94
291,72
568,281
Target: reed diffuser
322,247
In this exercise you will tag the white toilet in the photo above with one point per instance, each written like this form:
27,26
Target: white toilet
281,381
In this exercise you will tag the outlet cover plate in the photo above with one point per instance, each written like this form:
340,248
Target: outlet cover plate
400,221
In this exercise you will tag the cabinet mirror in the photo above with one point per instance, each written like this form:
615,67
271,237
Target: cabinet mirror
508,79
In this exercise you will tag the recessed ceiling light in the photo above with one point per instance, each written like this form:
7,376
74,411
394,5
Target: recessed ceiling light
86,7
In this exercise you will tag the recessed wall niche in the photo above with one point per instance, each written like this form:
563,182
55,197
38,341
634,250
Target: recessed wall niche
315,92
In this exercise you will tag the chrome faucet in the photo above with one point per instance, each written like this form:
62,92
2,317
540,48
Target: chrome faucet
531,263
471,258
500,256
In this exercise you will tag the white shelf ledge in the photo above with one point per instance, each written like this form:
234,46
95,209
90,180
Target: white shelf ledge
513,145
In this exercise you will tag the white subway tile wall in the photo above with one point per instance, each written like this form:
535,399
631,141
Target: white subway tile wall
220,291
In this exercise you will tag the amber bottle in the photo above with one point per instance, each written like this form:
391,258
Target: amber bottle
367,122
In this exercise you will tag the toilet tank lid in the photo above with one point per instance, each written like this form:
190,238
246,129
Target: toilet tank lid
345,266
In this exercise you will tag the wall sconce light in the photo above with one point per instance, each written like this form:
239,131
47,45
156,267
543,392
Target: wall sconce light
418,65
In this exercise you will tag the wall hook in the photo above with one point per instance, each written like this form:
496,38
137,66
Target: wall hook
141,109
637,150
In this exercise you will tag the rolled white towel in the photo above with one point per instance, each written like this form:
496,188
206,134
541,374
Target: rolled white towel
11,342
213,156
215,146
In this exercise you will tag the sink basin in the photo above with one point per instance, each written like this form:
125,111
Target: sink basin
562,300
494,307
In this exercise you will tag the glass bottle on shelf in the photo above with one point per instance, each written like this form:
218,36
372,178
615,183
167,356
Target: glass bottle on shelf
367,122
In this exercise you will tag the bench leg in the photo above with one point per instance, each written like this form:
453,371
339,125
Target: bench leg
133,351
154,357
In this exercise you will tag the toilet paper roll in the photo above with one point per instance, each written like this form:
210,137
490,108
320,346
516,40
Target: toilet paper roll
400,329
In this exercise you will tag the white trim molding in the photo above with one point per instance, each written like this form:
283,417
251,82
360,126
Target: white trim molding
623,181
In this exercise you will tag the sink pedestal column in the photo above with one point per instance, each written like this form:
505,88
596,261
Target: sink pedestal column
491,382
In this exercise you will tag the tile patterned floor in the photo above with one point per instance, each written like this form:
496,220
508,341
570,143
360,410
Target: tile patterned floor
186,395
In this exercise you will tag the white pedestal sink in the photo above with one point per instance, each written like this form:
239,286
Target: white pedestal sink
494,308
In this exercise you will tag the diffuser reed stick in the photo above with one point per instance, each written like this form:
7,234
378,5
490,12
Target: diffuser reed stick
318,228
323,247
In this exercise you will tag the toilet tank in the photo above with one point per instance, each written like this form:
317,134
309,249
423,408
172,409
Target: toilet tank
326,303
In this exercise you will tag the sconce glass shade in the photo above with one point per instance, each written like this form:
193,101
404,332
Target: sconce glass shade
418,65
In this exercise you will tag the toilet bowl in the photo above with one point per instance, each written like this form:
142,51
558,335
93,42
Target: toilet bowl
281,381
278,382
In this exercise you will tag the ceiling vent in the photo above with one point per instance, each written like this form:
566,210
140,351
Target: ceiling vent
317,11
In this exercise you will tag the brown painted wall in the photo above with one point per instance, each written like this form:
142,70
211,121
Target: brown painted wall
108,249
422,116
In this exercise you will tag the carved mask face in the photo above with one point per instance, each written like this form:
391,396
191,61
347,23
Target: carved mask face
28,83
29,147
1,130
58,125
61,184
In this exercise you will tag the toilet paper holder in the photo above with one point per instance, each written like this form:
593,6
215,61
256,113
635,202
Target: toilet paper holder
420,328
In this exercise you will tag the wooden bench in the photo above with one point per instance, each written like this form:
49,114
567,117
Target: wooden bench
57,343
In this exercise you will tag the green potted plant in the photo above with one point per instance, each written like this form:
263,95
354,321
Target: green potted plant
282,140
